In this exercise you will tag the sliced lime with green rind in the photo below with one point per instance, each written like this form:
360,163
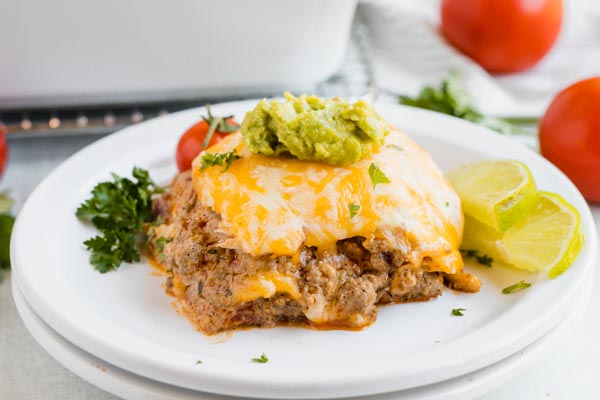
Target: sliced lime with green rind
548,238
495,192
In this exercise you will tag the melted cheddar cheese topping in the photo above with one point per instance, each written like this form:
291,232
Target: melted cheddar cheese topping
275,205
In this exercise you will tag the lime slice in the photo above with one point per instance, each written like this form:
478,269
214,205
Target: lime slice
495,192
548,238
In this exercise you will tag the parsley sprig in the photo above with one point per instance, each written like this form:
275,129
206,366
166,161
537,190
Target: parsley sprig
452,98
119,209
218,159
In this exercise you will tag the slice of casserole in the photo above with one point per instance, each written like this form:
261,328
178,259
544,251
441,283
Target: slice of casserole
275,240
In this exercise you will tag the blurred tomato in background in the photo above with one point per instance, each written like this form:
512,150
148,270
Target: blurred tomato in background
570,135
3,151
502,36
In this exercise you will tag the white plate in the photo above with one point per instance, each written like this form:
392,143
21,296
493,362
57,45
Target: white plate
125,319
134,387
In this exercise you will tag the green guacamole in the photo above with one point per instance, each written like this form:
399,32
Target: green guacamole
333,132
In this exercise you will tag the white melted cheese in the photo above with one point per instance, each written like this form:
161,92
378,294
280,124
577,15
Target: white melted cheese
274,205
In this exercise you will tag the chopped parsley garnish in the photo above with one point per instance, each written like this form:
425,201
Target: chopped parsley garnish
198,362
458,312
151,234
447,204
353,209
483,259
160,246
452,98
6,225
218,159
262,359
517,287
395,146
119,209
377,176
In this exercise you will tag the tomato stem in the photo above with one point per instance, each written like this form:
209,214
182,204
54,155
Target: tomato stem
214,122
217,124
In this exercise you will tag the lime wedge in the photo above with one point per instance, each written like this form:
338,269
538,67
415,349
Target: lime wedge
495,192
548,238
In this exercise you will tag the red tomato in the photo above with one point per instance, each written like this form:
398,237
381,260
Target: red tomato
3,151
570,135
193,140
502,35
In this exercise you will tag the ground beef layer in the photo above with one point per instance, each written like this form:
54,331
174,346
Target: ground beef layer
222,288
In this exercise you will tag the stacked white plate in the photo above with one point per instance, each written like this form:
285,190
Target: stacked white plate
121,332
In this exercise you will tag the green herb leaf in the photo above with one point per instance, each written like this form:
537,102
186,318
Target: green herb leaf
469,253
218,159
160,246
151,233
198,362
119,209
353,209
377,176
396,147
481,259
458,312
452,98
484,260
262,359
521,285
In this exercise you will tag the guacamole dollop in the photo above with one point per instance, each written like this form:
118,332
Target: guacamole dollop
331,131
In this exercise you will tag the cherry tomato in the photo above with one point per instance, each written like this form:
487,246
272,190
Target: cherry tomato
570,135
502,35
3,151
194,140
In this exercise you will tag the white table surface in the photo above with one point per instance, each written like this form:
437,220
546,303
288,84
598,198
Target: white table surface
571,371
